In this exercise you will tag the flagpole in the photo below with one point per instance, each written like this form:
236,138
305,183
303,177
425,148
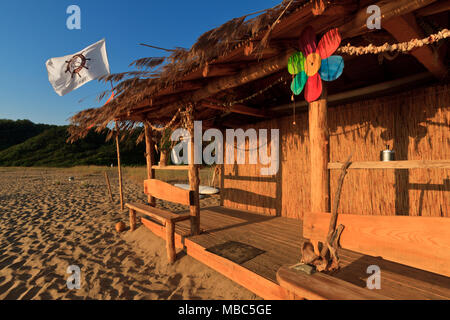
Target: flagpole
119,167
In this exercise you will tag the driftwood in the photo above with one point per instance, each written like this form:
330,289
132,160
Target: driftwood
333,233
332,243
217,172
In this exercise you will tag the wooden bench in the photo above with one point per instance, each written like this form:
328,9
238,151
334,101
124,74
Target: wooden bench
164,191
422,243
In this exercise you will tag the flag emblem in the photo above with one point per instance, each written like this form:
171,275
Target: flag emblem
76,64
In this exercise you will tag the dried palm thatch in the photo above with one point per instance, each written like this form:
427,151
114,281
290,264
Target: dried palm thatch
154,74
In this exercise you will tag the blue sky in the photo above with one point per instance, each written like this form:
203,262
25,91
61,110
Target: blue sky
33,31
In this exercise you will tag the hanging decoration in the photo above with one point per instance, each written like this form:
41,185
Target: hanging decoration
315,63
318,7
168,125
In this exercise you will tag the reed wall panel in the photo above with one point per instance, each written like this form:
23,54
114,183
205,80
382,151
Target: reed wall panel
415,124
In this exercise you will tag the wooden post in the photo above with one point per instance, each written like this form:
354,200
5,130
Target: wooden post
132,219
170,241
149,156
194,182
318,144
119,168
319,155
109,186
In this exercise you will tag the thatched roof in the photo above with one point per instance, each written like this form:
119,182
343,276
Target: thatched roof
161,85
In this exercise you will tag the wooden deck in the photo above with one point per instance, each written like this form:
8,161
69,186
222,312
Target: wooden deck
280,239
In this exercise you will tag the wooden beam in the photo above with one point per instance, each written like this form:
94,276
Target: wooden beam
237,108
405,28
389,9
420,242
250,74
269,51
292,21
214,86
181,87
437,7
408,164
147,105
218,70
361,92
150,158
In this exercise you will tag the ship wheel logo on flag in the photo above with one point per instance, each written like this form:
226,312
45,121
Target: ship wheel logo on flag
76,64
315,63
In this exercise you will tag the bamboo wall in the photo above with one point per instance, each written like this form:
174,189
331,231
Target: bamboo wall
415,124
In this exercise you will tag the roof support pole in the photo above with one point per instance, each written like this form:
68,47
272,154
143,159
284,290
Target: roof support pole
319,155
150,157
194,180
119,168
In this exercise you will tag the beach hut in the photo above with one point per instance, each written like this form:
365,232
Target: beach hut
388,220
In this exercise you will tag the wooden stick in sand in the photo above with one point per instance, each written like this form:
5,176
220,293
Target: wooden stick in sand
109,186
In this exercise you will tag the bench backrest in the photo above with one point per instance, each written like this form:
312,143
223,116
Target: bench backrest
165,191
420,242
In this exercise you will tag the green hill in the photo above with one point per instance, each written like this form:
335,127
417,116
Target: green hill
49,148
15,132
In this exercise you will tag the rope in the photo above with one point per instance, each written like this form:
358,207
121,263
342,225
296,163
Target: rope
168,125
232,103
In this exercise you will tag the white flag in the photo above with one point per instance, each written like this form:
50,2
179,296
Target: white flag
71,72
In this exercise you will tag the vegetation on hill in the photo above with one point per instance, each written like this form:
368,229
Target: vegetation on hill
15,132
49,148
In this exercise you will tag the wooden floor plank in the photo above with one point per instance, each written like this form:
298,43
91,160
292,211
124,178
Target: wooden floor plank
281,239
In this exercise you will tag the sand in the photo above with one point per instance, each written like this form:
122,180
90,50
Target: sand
48,223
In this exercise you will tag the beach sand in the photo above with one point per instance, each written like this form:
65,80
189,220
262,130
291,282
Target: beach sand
48,223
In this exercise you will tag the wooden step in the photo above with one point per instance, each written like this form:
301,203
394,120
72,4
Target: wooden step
320,286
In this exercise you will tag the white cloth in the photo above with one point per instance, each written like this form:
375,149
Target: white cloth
72,71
